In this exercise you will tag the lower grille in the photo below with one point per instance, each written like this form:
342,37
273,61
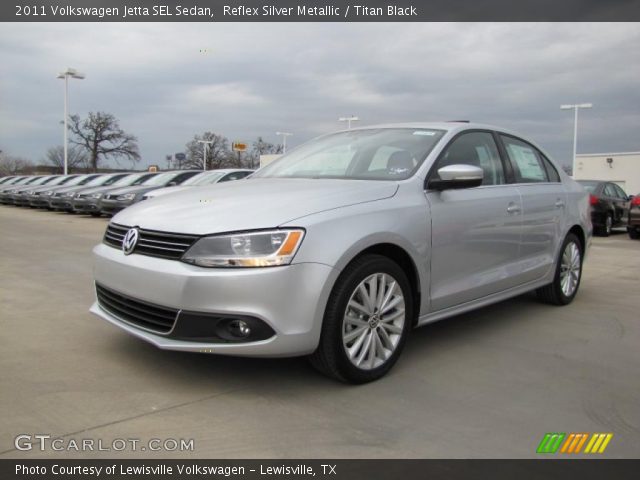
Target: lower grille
142,314
150,242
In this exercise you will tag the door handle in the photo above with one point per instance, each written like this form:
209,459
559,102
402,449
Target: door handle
559,203
513,208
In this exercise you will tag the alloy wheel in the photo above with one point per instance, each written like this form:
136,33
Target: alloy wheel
570,269
373,321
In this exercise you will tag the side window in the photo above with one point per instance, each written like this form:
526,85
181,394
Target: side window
551,170
620,191
478,149
527,164
610,191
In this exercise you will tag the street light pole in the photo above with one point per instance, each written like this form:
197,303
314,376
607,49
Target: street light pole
73,73
204,155
575,107
350,119
284,140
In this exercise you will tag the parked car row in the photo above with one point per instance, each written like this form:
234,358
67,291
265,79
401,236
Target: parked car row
97,194
611,207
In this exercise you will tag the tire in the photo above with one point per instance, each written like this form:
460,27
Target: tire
95,214
605,230
341,319
634,233
558,292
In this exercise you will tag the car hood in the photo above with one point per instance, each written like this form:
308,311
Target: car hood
103,189
166,190
251,204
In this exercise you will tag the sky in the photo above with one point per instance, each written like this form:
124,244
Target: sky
166,82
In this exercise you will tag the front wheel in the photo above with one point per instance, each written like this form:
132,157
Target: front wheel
634,233
566,281
367,320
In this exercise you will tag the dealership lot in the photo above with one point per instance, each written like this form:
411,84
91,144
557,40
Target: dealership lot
489,383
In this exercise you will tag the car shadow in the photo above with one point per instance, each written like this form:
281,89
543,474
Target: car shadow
185,367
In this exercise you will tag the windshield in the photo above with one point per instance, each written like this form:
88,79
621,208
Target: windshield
88,179
45,180
112,179
129,179
57,180
73,181
161,179
589,186
374,154
204,178
98,181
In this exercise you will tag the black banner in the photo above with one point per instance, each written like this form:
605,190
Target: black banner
319,469
318,10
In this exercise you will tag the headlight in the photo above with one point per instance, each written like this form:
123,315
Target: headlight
126,196
48,193
96,195
251,249
69,194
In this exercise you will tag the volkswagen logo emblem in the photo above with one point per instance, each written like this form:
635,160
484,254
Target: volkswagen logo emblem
129,241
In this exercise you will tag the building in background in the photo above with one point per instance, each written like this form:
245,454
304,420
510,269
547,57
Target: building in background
620,168
267,159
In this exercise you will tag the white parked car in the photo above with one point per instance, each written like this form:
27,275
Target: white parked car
205,178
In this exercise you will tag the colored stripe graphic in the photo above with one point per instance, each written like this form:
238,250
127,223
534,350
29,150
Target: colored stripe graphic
550,442
598,442
574,443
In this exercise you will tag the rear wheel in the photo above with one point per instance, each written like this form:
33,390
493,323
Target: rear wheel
566,281
605,230
634,233
367,320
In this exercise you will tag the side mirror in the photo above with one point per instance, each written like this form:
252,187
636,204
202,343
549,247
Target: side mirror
457,176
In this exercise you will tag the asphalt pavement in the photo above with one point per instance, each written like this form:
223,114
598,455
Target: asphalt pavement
487,384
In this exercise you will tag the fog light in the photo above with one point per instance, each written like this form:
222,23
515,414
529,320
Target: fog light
239,328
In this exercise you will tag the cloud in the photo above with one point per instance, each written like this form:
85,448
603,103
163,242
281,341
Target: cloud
256,79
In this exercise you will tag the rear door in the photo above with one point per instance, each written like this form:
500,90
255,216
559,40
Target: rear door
475,231
543,206
620,203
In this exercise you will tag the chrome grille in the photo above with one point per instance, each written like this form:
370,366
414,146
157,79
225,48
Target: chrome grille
151,242
142,314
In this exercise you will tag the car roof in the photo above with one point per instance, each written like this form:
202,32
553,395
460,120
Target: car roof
448,126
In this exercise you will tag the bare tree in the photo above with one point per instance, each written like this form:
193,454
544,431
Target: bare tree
102,138
76,158
218,153
10,165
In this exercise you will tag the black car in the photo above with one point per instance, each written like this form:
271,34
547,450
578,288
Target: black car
609,206
634,218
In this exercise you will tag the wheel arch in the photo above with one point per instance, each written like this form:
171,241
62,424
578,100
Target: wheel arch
579,232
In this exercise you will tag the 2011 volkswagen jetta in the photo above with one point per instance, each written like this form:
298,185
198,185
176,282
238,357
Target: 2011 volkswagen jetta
342,246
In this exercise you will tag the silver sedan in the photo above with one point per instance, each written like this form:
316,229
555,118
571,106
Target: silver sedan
341,247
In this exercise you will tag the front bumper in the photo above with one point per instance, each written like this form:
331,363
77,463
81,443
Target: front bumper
61,203
85,205
289,299
111,207
39,201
